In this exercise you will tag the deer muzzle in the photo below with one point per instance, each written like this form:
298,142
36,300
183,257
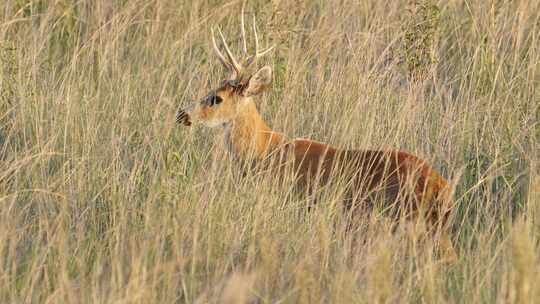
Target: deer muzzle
183,118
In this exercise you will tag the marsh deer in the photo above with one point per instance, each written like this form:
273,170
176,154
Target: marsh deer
408,184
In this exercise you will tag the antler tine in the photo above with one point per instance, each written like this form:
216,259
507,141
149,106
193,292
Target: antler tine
218,53
255,34
243,29
265,51
257,54
235,65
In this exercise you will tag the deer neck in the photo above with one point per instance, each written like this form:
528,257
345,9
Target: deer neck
249,137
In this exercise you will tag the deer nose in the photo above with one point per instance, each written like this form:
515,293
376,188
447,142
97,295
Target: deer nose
183,118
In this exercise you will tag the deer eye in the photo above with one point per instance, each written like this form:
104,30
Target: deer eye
214,100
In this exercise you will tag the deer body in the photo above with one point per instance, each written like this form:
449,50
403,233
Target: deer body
251,140
408,184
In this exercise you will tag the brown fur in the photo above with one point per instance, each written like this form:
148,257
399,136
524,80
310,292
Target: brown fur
369,171
409,186
399,175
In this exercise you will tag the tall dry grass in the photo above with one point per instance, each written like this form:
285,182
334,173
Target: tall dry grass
103,199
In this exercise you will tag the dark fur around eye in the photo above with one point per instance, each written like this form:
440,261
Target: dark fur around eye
214,100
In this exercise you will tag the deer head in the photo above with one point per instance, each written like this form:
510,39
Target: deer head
222,105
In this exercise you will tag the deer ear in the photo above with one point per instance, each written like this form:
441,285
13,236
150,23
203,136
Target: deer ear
258,82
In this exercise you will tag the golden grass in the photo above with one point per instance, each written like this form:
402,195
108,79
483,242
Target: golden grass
105,200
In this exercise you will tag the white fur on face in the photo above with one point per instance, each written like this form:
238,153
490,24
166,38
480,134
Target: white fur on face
213,123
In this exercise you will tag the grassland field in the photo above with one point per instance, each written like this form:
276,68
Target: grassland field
105,199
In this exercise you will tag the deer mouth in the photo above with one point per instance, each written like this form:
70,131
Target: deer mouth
183,118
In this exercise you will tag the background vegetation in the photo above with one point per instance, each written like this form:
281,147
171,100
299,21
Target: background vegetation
103,199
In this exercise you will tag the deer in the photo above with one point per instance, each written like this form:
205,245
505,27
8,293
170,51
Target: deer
407,183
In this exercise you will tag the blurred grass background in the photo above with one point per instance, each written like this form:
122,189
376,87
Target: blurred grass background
103,199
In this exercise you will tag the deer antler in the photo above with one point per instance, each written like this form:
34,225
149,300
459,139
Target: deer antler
218,53
251,59
230,62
